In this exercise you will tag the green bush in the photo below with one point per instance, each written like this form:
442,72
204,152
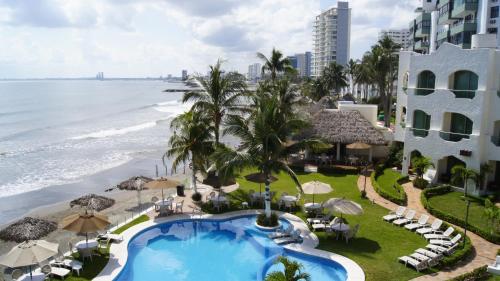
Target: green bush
430,192
480,273
400,200
196,197
262,220
420,183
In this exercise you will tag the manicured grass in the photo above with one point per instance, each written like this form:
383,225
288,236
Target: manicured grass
454,204
377,245
92,269
387,180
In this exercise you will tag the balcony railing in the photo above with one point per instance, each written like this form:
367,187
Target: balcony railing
495,140
464,94
417,132
423,91
454,137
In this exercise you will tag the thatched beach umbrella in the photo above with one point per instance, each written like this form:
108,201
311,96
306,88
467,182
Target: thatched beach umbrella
93,202
27,229
29,253
316,187
130,184
85,223
162,183
260,178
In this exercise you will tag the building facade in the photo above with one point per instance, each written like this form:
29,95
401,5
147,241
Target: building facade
184,75
302,63
254,72
331,37
447,109
452,21
399,36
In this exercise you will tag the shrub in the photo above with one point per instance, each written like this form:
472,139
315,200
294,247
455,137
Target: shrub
420,183
431,192
196,197
479,273
400,200
262,220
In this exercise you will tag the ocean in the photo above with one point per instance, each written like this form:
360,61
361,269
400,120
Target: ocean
63,138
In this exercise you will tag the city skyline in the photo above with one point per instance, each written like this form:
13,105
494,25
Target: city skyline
156,38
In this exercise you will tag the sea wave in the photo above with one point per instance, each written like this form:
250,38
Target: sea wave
116,132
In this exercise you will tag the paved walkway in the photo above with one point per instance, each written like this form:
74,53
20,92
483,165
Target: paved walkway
484,251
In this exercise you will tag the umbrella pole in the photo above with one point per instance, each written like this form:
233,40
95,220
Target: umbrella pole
87,239
313,199
31,273
162,196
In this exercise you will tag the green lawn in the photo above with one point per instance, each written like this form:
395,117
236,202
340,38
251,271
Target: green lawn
377,245
387,180
454,204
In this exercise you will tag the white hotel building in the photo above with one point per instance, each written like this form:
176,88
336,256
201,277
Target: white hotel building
448,107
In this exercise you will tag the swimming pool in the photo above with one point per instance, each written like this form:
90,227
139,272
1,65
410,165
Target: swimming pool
231,249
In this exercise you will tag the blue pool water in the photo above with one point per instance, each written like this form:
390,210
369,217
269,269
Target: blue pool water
214,250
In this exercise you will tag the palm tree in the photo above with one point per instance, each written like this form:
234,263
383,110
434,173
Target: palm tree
334,77
192,140
293,271
460,172
275,64
263,145
287,94
421,165
365,74
220,95
352,69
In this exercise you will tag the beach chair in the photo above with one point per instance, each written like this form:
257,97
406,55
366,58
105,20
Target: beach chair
325,226
446,243
418,265
395,214
442,249
428,253
495,267
73,265
58,272
435,226
85,253
422,222
407,219
351,233
178,207
420,257
440,235
320,218
281,233
294,238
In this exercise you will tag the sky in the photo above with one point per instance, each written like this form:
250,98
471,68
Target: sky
152,38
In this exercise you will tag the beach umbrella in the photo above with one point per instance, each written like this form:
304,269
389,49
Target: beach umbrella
162,183
26,229
29,253
316,187
260,178
85,223
343,206
93,201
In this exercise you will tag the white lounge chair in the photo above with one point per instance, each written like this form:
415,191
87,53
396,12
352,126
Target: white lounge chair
320,218
418,265
294,238
407,219
446,243
495,267
428,253
280,233
442,249
440,235
420,257
325,226
55,271
422,222
395,214
435,226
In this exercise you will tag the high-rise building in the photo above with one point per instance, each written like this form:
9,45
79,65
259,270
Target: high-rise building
399,36
302,63
184,75
453,21
254,72
331,37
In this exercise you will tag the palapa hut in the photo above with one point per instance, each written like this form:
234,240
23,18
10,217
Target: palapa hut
342,127
130,184
27,229
93,201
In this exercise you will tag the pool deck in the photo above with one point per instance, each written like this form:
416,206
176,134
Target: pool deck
119,251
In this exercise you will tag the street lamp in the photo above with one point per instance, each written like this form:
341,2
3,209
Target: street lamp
466,220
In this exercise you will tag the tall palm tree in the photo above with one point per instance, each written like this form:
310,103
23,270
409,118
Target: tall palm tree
192,140
287,94
220,94
365,74
334,77
460,172
352,70
263,143
275,64
293,271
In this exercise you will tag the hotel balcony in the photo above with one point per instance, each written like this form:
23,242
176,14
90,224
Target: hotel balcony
454,137
422,32
463,26
443,35
445,10
421,45
461,8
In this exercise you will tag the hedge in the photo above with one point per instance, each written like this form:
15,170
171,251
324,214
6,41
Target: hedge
480,273
401,200
461,252
431,192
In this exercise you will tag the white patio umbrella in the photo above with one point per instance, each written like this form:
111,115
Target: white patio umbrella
29,253
343,206
316,187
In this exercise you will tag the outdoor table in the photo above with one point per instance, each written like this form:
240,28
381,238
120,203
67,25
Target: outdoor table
340,227
166,203
289,198
92,243
312,206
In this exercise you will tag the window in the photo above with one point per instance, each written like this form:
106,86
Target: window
465,84
421,123
426,83
494,12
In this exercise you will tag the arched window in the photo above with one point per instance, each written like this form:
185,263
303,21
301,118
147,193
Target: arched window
421,123
456,127
426,83
465,84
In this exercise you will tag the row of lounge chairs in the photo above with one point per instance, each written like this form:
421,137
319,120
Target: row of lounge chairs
440,242
286,236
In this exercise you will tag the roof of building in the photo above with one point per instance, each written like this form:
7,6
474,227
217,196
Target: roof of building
345,127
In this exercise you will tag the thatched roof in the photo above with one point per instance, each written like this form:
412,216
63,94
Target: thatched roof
27,229
345,127
130,183
93,201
